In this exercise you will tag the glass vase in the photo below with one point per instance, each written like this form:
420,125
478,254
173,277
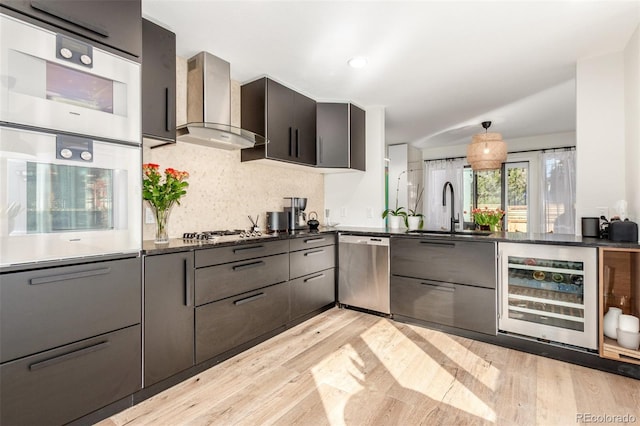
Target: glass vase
162,223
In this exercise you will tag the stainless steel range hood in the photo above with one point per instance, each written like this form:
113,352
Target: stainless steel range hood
209,107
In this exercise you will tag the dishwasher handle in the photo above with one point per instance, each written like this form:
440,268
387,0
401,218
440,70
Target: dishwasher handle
364,240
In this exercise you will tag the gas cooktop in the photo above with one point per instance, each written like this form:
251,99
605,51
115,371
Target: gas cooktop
204,236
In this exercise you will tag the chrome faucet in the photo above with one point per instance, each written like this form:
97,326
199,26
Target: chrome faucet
444,203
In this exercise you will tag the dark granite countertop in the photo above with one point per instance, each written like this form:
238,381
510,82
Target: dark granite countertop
505,237
178,244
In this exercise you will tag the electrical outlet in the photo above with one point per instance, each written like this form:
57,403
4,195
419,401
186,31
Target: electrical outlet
343,212
603,211
148,216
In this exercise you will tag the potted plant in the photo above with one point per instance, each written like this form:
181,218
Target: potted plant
415,220
395,217
488,219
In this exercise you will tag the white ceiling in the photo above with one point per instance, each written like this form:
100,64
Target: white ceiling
438,68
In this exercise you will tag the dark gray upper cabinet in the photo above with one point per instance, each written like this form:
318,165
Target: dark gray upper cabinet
158,84
341,136
168,315
357,138
115,24
287,119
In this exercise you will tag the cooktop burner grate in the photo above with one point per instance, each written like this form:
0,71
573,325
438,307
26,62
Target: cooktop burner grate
209,235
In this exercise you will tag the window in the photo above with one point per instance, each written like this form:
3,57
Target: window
558,192
506,188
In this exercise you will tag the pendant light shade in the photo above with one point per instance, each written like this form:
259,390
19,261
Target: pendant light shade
487,151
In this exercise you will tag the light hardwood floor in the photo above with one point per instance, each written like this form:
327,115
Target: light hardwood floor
349,368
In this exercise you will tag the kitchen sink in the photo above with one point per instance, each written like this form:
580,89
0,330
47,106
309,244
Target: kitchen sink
469,232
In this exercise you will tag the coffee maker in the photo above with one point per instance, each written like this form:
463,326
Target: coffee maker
296,217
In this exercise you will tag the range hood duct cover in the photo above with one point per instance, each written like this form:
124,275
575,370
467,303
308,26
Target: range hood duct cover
209,107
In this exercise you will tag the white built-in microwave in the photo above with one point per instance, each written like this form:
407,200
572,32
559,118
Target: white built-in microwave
52,81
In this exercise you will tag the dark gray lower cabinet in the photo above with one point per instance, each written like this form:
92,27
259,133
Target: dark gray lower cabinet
228,323
220,281
455,305
462,262
305,262
445,281
312,292
57,386
168,315
70,339
47,308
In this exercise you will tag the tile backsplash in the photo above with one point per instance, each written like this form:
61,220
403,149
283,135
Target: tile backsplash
222,190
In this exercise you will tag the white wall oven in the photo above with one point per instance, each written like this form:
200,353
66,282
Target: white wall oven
549,292
52,81
64,196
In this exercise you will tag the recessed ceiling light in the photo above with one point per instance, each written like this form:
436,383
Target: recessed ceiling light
357,62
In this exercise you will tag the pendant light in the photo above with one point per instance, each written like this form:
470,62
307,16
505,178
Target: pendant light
487,151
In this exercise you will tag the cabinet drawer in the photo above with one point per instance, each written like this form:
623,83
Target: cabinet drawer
43,309
217,282
60,385
228,323
471,308
305,262
312,241
217,256
463,262
312,292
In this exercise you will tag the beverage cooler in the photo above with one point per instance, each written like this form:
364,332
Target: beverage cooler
549,292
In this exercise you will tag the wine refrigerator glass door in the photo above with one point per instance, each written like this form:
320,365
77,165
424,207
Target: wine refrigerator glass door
549,292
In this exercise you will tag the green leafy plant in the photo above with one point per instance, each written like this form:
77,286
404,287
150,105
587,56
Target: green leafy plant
399,211
162,194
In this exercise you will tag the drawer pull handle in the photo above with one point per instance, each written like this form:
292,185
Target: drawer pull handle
188,285
248,265
70,355
438,243
440,287
241,249
316,277
72,276
314,240
249,299
311,253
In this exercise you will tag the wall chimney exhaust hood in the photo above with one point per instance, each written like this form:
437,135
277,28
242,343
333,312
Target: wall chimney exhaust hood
209,107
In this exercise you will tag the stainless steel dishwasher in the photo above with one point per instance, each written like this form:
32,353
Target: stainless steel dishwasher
363,273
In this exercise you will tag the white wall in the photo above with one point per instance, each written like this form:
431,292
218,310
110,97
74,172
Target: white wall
600,134
552,140
632,127
357,198
398,156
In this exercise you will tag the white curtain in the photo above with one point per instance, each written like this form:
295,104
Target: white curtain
558,191
437,173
